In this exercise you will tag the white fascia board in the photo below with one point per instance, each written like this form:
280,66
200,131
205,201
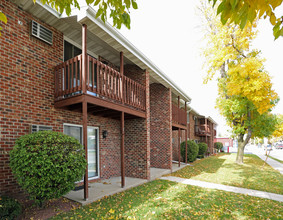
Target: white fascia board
49,9
214,122
90,14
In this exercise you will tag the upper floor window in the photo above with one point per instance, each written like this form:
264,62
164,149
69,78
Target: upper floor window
70,51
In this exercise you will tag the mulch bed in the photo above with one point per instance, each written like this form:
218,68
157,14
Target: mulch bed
50,208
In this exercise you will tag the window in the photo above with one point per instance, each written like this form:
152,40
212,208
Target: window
188,117
70,51
36,128
75,131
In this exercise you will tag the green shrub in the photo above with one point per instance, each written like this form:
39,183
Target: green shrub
47,164
9,208
218,145
192,150
202,149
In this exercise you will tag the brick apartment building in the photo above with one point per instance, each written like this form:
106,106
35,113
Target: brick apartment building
79,76
200,129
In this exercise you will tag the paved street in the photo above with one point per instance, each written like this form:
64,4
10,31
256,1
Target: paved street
277,153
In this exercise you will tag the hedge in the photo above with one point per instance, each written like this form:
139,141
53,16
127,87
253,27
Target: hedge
202,149
192,150
47,164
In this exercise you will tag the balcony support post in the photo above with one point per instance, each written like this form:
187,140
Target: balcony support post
178,112
122,149
179,146
84,58
206,141
84,110
186,135
122,75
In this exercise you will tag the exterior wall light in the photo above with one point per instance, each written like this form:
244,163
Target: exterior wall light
104,134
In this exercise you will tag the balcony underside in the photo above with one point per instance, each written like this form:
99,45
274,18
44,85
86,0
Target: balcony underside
99,107
176,126
203,134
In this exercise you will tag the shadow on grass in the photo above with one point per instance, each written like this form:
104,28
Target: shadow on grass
122,204
161,199
196,202
253,175
207,165
222,169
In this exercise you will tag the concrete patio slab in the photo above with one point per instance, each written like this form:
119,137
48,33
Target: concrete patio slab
104,188
112,186
156,173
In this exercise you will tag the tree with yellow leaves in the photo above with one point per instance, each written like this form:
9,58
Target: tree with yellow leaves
245,94
242,12
278,133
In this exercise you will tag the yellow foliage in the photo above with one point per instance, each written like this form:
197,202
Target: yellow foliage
243,12
246,79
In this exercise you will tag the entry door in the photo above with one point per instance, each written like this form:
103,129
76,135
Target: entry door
93,152
76,131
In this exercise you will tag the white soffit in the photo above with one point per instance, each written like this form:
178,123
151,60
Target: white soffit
106,33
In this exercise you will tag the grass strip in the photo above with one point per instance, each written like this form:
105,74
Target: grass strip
163,199
222,169
280,161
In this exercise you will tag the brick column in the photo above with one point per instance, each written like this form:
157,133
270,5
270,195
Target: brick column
160,126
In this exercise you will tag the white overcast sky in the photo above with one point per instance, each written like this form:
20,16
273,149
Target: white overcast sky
169,34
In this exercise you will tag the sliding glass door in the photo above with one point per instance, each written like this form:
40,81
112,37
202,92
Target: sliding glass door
76,131
92,151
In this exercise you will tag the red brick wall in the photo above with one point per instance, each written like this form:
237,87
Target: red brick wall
160,127
137,134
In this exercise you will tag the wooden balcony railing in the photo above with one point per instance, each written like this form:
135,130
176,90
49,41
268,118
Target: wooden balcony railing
179,116
203,129
102,81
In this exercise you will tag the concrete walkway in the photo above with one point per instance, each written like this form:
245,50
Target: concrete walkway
250,192
273,163
104,188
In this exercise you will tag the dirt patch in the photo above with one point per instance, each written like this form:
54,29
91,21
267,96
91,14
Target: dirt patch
51,208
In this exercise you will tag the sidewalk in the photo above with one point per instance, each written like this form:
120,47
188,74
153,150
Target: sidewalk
273,163
250,192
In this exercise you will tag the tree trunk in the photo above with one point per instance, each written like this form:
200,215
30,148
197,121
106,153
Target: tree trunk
241,146
240,153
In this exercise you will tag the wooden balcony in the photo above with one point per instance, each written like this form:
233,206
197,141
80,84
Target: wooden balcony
179,116
104,86
202,130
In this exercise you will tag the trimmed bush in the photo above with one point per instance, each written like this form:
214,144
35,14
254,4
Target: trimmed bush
202,149
47,164
218,145
192,150
9,208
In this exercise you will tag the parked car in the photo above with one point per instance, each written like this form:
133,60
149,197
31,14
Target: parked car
279,146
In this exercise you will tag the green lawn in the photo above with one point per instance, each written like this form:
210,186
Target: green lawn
222,169
280,161
163,199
